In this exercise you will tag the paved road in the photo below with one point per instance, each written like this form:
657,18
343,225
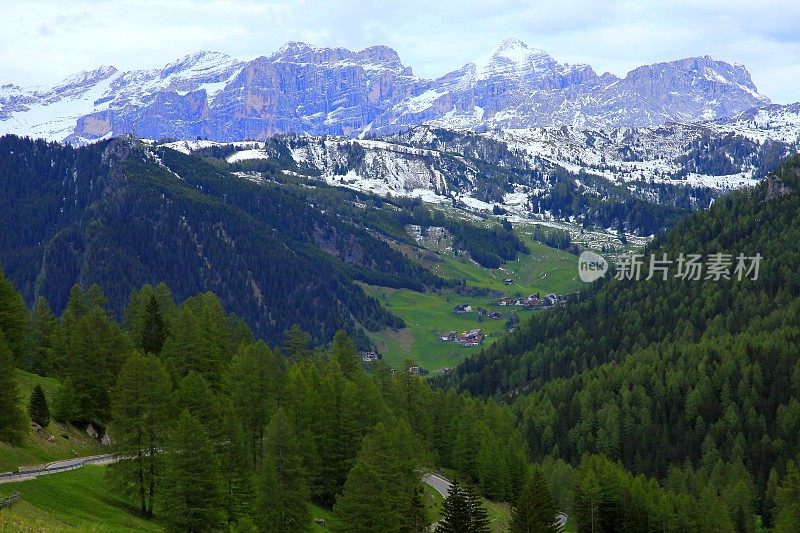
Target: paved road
55,467
442,485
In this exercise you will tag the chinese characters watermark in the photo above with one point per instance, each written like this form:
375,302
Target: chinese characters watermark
693,267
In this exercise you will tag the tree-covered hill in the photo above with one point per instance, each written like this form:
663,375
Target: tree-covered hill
694,382
121,214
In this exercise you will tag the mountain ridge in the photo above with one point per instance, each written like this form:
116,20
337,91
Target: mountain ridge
307,89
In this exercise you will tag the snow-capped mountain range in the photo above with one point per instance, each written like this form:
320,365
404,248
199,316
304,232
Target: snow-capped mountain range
312,90
679,165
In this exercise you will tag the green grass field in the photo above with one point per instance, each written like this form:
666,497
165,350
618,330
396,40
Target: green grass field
428,315
544,270
38,449
78,500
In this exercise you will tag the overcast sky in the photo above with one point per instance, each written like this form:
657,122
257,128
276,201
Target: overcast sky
41,42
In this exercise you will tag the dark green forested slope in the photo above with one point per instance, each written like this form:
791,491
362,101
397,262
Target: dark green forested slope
120,215
615,318
694,382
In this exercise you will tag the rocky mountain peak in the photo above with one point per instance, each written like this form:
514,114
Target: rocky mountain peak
302,88
512,57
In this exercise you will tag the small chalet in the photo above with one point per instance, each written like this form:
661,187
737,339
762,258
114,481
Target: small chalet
370,357
473,337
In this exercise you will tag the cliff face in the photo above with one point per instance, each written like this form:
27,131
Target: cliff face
335,91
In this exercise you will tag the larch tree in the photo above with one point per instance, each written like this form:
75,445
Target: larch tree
788,501
43,325
295,343
256,377
12,419
13,318
535,510
141,416
343,351
282,502
192,498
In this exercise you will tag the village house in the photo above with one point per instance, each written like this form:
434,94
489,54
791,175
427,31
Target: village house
370,357
450,336
473,337
508,281
461,309
506,301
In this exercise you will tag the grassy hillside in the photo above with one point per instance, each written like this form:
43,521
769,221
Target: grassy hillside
428,315
78,500
40,449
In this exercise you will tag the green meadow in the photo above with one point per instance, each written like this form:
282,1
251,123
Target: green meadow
428,315
39,449
78,500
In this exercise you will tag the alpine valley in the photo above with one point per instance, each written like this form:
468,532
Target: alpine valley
238,274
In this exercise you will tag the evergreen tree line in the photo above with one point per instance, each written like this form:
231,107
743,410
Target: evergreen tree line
214,429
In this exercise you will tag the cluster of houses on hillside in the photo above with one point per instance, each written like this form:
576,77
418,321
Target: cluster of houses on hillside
473,337
532,301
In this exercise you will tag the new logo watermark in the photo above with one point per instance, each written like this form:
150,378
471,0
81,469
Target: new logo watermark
693,267
591,266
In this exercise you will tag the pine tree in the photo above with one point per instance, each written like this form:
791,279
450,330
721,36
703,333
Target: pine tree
140,407
479,518
192,497
12,419
282,504
456,512
535,510
154,331
417,519
38,409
